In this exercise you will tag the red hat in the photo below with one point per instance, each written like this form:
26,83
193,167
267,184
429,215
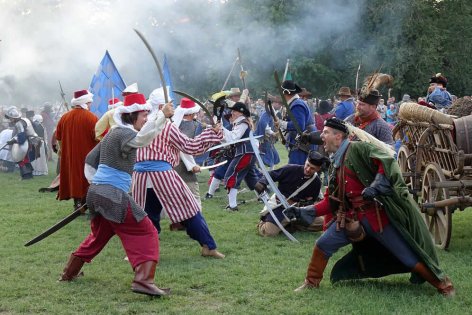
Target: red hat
132,103
136,98
113,101
187,103
80,93
82,97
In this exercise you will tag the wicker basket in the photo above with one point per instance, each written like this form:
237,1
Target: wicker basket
418,113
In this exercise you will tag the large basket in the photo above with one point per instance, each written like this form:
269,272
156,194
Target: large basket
418,113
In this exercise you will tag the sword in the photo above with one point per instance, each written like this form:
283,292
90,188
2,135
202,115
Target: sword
272,186
158,65
207,112
59,225
213,166
219,146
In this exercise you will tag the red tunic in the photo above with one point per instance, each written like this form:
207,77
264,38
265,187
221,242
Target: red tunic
76,131
353,190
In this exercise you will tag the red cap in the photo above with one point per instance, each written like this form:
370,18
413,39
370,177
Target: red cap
80,93
186,103
136,98
113,101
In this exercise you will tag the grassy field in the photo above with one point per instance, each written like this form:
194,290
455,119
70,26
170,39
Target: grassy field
257,277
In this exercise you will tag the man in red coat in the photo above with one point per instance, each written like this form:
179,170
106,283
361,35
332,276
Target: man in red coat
76,134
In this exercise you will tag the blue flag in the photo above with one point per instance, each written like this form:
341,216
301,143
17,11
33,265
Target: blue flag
106,84
168,79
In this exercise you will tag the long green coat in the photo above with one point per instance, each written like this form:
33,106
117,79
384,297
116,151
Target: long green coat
368,258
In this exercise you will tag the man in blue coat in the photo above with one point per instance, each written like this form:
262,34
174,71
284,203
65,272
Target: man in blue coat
301,113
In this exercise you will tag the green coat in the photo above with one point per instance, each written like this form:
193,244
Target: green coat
402,212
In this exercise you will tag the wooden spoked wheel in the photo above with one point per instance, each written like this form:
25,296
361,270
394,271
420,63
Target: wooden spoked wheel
406,166
438,220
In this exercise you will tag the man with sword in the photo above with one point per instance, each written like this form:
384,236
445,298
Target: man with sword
242,164
300,185
299,121
109,167
155,179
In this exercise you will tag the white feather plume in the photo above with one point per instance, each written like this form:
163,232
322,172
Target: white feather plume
366,137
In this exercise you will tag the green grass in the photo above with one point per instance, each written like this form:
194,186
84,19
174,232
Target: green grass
257,277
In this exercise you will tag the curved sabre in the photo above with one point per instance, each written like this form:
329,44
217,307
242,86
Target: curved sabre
158,65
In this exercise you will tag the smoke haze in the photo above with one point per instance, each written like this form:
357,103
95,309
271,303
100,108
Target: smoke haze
45,41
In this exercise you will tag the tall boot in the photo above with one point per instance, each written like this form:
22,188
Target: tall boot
72,268
316,267
143,282
444,287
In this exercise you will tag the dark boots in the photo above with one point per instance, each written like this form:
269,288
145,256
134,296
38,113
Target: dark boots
72,269
316,267
444,287
144,280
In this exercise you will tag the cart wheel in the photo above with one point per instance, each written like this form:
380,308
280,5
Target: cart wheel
406,166
438,220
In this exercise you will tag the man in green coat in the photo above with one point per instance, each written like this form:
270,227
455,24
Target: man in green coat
371,209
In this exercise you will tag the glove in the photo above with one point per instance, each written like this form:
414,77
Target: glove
260,188
303,216
380,186
54,148
11,141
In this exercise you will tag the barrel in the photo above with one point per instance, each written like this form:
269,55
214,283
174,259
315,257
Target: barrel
463,133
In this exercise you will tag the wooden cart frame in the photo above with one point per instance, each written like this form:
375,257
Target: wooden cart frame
438,174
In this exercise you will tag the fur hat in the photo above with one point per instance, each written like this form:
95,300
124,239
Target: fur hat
372,98
240,107
114,103
337,124
438,79
291,88
186,107
81,98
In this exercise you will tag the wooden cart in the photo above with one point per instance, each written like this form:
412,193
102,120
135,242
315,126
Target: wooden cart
436,163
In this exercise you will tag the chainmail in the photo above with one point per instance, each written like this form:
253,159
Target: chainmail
114,152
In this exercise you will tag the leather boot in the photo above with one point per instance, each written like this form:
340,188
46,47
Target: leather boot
444,287
206,252
314,274
176,227
72,269
143,282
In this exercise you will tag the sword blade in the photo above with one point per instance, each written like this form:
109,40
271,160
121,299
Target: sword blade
213,166
56,227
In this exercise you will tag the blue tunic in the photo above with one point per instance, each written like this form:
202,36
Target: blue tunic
270,156
302,115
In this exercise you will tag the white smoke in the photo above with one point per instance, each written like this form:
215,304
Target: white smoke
44,41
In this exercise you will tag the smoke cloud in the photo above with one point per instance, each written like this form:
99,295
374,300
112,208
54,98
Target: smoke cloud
45,41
